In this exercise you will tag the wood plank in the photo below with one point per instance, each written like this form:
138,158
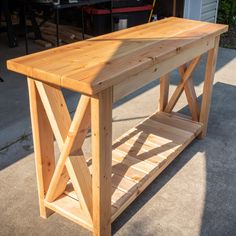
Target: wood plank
164,92
197,127
69,208
119,63
190,94
192,99
147,74
101,110
208,86
132,161
128,171
56,108
164,132
118,197
180,88
110,43
138,134
82,183
153,155
123,184
43,43
43,146
106,75
132,174
75,136
148,140
172,120
134,49
113,47
168,128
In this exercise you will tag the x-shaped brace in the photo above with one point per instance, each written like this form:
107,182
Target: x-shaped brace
70,136
186,84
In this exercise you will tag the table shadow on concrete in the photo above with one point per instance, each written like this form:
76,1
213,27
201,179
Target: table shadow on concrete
219,148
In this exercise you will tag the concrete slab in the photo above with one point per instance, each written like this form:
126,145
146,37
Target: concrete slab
194,196
14,109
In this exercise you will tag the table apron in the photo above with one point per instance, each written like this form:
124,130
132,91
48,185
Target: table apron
142,78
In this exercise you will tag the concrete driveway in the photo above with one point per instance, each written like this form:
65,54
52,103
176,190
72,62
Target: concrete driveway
195,195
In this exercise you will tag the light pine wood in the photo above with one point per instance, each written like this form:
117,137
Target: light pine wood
59,118
69,208
101,110
56,108
43,146
73,142
164,92
152,72
132,168
94,192
83,66
71,138
176,121
180,88
208,86
82,183
192,99
190,94
159,166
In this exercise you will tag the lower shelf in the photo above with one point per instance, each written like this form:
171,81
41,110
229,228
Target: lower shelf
69,208
139,156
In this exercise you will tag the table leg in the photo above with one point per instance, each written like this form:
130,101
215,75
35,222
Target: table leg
101,106
164,92
190,94
43,146
208,86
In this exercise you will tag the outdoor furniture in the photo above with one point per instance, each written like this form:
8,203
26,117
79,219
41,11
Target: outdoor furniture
93,193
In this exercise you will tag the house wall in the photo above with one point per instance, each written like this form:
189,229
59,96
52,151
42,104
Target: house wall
205,10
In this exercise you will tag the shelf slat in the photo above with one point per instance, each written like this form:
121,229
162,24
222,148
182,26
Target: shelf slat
142,153
70,208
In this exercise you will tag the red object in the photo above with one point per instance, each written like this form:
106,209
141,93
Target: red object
96,11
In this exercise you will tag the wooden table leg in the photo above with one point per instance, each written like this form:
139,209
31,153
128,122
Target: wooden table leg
101,106
190,94
208,86
164,92
43,146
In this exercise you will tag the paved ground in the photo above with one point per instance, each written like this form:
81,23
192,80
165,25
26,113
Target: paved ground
196,195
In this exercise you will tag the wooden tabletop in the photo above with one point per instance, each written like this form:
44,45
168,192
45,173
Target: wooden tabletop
93,65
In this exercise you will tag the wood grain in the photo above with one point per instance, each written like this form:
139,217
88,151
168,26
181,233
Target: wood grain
208,86
164,92
138,159
96,64
101,111
43,146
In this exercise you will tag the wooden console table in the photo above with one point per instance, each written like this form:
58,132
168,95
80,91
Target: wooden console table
93,193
